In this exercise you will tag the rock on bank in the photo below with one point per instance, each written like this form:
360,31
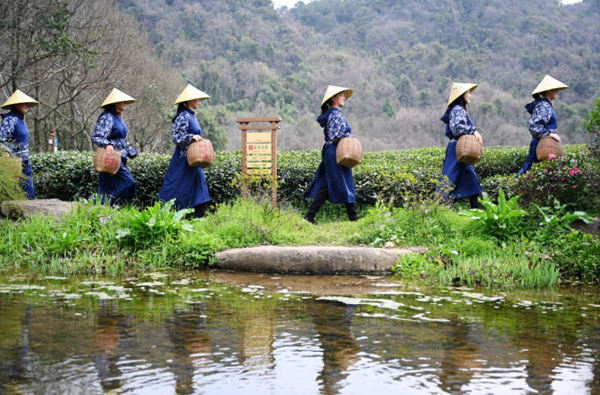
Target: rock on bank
311,259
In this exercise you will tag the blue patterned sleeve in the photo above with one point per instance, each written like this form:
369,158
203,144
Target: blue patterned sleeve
336,127
540,116
459,122
180,129
102,130
131,152
7,130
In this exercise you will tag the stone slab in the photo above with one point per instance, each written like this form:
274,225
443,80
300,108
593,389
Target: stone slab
55,208
593,228
311,259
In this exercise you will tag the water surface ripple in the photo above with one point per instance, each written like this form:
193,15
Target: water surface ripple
229,333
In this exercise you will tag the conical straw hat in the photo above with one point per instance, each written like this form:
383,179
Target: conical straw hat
548,83
334,90
20,98
459,89
191,93
116,96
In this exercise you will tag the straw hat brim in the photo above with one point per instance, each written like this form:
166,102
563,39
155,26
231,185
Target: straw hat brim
334,90
459,89
547,84
19,97
191,93
116,96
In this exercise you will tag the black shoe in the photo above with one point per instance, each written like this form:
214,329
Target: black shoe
310,219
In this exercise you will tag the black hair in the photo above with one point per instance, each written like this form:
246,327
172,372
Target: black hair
326,106
460,101
13,107
111,109
180,107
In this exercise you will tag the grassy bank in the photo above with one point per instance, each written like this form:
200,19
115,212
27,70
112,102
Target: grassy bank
522,238
462,248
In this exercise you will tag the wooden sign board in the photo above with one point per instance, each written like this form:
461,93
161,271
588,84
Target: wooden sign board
259,151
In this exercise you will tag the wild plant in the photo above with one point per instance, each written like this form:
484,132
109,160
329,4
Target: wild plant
502,221
159,223
556,221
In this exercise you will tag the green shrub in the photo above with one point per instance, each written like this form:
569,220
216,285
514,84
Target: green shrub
592,126
401,177
494,184
10,187
576,254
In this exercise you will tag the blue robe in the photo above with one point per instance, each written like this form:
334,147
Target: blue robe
340,183
460,179
14,139
111,130
182,182
543,122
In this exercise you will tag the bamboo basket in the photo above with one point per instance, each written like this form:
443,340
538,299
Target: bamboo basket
349,152
468,149
548,146
107,164
15,166
200,154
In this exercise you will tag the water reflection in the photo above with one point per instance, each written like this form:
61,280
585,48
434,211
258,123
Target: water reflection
107,338
333,325
191,345
215,332
461,357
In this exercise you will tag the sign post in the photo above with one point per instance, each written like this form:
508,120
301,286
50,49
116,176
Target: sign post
53,141
259,151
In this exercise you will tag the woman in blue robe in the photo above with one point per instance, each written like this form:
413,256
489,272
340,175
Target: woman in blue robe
186,184
332,181
111,133
14,136
543,120
459,179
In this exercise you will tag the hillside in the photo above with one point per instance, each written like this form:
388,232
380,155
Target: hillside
254,60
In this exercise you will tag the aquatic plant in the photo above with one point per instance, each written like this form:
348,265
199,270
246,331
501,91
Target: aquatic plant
513,268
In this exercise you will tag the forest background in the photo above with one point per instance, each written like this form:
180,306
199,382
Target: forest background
400,58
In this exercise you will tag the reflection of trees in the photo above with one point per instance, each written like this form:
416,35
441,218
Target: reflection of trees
461,356
333,323
191,344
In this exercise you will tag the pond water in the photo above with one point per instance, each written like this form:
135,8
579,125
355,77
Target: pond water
230,333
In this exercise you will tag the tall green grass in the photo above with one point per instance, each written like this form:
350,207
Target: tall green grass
99,239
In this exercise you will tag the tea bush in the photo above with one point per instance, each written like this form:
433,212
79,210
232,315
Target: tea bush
592,125
401,177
